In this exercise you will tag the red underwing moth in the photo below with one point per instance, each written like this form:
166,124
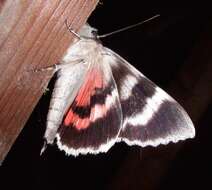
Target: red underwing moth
100,99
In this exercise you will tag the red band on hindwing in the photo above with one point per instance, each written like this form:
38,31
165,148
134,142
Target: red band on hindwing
93,81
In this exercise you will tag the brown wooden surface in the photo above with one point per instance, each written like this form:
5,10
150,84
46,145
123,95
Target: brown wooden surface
32,35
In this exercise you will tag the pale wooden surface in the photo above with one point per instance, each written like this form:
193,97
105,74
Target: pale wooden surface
32,35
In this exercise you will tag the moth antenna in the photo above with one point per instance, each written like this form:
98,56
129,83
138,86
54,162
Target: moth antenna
127,28
70,30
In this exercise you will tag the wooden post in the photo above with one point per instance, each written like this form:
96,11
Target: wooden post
32,35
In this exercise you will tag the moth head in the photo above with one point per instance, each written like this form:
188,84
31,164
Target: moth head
88,32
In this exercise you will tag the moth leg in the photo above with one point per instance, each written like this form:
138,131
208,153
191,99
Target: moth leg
56,67
43,148
49,68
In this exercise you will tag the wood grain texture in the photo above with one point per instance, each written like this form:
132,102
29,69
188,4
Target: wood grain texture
32,35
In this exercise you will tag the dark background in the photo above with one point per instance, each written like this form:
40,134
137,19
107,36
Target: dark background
160,49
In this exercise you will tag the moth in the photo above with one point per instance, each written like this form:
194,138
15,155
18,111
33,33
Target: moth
100,99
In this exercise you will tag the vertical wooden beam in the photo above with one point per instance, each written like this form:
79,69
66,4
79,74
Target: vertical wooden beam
32,35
